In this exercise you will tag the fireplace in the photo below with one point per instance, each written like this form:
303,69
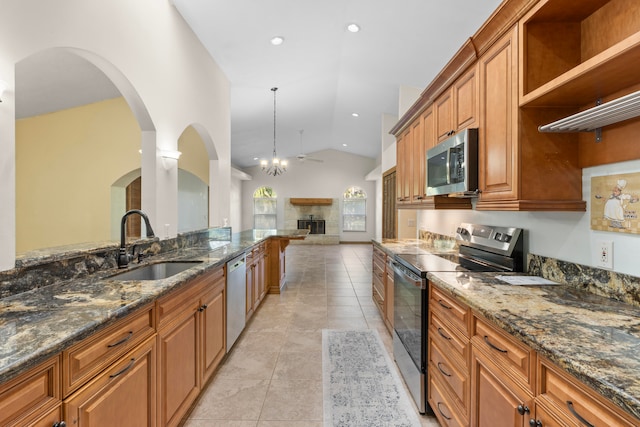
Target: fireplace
315,226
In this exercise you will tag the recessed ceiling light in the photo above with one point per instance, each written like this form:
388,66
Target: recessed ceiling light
255,158
277,40
355,114
344,145
354,28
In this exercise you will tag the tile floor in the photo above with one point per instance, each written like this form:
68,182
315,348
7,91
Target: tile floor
273,375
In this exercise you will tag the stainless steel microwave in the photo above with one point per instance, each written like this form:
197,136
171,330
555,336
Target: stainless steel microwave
452,165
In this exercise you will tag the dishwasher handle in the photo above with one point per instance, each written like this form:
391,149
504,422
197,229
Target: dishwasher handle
236,263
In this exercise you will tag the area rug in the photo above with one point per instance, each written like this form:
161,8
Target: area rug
361,386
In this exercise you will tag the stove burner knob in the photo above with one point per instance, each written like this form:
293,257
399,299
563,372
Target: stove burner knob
506,238
498,237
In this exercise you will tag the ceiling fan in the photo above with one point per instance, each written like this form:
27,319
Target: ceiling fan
303,157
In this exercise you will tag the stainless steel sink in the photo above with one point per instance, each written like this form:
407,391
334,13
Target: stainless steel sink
158,271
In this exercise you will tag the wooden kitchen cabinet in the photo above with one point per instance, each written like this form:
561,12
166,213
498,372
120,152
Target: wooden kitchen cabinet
448,352
124,394
565,401
404,167
83,361
256,275
250,285
34,397
496,401
389,296
191,328
382,286
457,108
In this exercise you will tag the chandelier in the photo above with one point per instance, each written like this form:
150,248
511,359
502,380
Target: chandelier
277,166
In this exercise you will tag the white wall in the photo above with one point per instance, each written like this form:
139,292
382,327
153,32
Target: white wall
155,59
562,235
330,179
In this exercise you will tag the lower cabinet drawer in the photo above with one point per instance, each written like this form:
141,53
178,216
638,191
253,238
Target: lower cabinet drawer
514,357
574,400
456,380
450,342
442,406
32,395
86,359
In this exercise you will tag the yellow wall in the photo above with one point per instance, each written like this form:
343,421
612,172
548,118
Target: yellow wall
194,158
66,162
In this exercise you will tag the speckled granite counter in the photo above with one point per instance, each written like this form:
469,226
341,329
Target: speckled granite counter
37,324
594,338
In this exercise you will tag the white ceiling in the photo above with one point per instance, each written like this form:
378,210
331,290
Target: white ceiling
323,72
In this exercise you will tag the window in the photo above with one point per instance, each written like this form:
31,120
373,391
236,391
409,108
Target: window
264,209
354,210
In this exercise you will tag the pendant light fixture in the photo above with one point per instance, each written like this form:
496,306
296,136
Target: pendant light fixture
277,166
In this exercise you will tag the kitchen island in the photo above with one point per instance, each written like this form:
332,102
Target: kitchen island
38,324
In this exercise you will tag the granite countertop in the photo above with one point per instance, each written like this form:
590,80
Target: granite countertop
594,338
38,324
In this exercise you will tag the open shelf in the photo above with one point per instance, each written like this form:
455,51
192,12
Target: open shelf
575,52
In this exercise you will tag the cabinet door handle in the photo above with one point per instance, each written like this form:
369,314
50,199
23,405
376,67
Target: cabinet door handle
122,341
501,350
443,335
442,413
445,373
125,369
577,415
535,423
59,424
444,305
523,409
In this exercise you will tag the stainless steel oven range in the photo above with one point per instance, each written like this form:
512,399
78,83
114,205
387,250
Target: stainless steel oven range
481,248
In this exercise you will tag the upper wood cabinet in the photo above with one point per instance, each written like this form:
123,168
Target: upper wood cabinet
520,168
457,108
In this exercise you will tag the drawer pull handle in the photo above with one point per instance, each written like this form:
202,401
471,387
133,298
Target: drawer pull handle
523,409
442,334
125,369
444,305
501,350
535,423
122,341
445,373
577,415
442,413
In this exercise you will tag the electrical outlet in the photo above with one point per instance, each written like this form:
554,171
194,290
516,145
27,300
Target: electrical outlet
604,255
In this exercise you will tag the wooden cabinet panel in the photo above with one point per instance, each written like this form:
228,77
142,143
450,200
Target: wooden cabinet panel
442,407
53,418
213,325
455,346
443,109
124,394
447,370
404,167
574,401
495,400
85,359
465,97
515,358
178,366
498,137
32,395
452,311
388,299
418,159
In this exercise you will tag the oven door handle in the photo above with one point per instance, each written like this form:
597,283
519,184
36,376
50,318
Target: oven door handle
408,275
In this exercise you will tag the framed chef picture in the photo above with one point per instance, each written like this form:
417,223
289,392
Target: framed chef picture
615,201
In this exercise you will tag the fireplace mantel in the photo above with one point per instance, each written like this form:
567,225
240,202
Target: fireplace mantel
311,201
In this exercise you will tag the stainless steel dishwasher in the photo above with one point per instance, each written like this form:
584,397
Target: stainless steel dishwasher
236,298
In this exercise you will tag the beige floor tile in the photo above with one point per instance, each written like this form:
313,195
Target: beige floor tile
260,340
231,399
340,300
243,364
293,400
281,423
220,423
298,366
303,340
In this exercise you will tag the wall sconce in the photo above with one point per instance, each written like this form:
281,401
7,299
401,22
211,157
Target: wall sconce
168,156
3,87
